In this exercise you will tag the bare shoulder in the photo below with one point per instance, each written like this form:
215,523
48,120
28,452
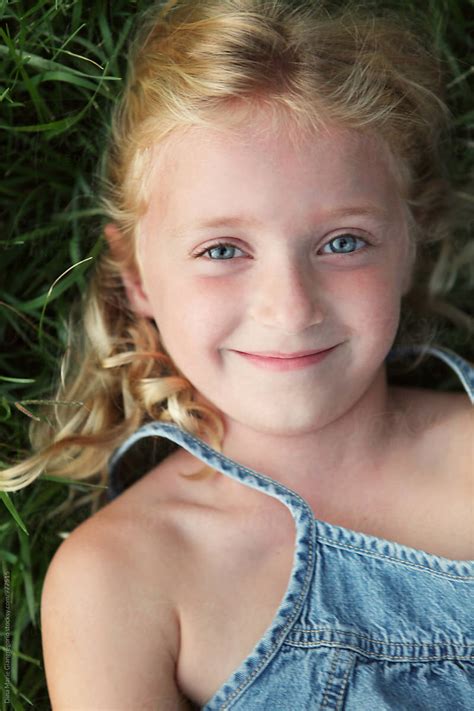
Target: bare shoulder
110,622
437,444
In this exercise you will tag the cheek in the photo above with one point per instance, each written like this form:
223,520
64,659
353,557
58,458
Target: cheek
192,312
371,301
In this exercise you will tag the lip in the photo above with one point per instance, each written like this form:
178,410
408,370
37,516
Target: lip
277,354
285,361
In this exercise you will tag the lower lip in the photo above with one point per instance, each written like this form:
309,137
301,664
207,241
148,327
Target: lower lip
285,363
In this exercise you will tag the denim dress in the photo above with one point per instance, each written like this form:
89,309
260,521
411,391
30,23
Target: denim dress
365,624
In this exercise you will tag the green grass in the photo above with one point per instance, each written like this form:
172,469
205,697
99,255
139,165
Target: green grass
61,67
61,63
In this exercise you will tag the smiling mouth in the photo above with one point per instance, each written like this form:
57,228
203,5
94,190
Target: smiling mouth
276,354
273,360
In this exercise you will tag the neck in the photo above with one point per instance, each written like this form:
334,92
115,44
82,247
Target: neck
346,451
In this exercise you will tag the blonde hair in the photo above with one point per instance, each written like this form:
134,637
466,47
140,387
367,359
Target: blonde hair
196,63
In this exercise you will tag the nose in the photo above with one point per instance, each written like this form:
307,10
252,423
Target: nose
286,296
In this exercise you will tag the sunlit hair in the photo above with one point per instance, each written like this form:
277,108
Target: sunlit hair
212,64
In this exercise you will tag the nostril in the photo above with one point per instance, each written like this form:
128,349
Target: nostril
287,303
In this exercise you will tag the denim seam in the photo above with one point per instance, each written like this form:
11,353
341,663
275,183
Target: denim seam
332,670
289,498
329,541
289,622
388,657
340,689
194,444
344,683
374,639
376,554
203,445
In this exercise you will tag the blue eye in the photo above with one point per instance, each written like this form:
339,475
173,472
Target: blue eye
343,244
221,250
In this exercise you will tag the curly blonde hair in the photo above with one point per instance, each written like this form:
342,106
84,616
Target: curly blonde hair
189,63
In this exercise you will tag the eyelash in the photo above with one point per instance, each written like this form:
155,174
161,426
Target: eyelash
233,246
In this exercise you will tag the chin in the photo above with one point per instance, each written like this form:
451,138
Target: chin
278,423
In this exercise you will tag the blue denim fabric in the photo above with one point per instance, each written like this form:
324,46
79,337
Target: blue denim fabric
365,624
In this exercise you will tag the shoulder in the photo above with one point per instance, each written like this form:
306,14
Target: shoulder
136,533
146,533
108,609
437,444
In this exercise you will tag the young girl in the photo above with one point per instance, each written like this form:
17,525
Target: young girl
274,192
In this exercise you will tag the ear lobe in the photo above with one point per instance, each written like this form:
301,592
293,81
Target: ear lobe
136,295
130,277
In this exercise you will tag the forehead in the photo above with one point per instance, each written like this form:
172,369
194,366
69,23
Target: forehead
263,166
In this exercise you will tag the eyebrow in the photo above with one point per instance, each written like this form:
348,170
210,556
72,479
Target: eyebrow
234,221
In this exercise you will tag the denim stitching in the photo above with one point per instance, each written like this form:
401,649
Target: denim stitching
332,670
329,541
374,639
288,495
377,554
284,495
308,578
388,657
254,474
308,572
345,681
463,368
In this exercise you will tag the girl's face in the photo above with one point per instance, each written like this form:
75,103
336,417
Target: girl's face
251,244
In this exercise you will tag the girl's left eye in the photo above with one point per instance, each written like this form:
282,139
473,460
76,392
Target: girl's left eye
220,251
344,244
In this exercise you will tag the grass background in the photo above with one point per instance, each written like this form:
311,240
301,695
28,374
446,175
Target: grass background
60,68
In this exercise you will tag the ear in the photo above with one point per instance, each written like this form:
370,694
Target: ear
131,278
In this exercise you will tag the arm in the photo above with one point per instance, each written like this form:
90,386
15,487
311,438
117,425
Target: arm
98,652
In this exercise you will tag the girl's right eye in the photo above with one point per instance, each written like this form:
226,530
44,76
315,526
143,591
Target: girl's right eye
220,251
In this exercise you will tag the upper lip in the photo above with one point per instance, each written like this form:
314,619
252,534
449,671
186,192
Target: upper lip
278,354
